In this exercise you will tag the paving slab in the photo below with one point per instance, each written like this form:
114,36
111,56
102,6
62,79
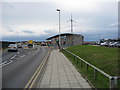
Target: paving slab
60,73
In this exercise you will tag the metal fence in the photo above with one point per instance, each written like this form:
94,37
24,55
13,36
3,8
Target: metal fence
113,80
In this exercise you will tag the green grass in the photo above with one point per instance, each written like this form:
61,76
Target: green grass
103,58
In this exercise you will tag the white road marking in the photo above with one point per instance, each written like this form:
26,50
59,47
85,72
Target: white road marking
18,52
13,57
3,63
10,61
29,52
21,57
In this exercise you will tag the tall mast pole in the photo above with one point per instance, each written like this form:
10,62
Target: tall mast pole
71,24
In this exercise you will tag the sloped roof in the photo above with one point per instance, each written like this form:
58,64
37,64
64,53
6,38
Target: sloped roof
63,34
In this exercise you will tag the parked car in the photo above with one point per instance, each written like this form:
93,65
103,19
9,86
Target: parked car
19,45
118,44
113,44
12,47
43,44
104,44
30,45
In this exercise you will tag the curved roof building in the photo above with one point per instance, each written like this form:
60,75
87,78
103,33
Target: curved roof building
67,39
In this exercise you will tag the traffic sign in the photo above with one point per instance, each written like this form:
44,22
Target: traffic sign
30,41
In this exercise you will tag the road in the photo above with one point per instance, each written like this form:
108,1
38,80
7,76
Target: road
18,67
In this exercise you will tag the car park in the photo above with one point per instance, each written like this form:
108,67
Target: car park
12,47
113,44
110,44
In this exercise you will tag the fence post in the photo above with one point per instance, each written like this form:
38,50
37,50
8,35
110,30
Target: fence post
77,60
112,82
95,74
81,63
73,56
86,66
116,81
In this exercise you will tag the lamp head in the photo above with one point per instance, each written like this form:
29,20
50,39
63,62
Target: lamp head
58,9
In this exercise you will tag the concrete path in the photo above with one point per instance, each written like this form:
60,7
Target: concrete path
60,73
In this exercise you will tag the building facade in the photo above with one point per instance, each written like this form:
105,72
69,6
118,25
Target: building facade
67,39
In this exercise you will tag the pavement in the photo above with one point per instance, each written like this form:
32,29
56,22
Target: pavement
60,73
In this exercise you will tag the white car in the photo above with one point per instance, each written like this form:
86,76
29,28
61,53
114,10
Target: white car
104,44
118,44
12,47
113,44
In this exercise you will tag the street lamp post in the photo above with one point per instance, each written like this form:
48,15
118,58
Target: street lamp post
59,29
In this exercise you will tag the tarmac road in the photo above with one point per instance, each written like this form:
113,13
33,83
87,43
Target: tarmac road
18,67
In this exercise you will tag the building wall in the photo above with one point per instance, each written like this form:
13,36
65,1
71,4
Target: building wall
75,40
78,40
69,40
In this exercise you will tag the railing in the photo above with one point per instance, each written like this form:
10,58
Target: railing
112,79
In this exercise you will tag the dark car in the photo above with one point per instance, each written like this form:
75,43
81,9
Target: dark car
30,45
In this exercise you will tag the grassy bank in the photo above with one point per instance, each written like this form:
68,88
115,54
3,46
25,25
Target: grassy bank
103,58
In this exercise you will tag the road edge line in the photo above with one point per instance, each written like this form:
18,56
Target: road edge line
37,72
44,62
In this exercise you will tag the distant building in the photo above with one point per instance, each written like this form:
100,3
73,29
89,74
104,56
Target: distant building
67,39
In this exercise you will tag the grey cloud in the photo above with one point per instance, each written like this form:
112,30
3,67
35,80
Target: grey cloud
27,31
25,38
10,29
50,32
113,24
96,35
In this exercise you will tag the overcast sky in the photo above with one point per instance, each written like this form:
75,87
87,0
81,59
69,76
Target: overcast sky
39,20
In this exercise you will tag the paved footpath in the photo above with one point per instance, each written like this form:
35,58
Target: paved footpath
60,73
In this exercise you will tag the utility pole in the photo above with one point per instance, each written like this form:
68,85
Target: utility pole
71,21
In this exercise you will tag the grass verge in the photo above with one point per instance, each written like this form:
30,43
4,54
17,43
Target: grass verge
103,58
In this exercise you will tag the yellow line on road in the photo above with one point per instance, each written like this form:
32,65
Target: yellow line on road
35,75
